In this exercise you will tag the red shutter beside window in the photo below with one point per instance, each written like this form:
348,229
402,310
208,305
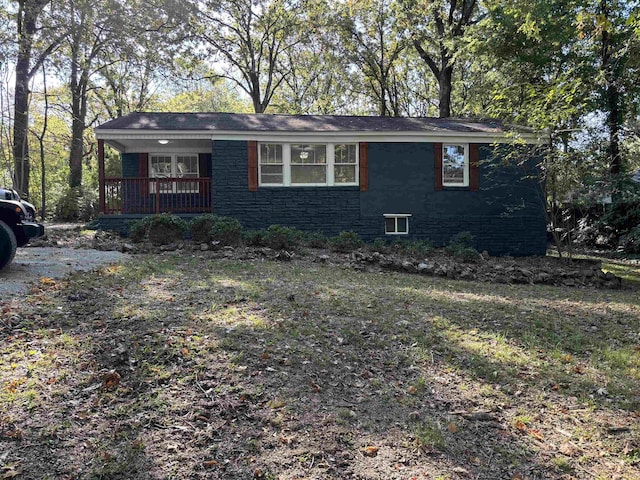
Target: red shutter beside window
364,166
474,165
437,156
253,165
143,172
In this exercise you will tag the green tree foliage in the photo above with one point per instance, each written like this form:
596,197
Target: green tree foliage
371,41
438,31
251,37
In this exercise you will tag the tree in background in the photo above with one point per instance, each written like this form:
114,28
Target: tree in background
251,38
371,41
36,40
437,30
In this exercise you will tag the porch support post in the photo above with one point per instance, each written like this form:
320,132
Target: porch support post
101,188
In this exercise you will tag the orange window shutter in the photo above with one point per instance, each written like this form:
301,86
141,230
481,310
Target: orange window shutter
437,156
474,167
253,165
364,166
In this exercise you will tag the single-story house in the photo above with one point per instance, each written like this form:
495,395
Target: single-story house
382,177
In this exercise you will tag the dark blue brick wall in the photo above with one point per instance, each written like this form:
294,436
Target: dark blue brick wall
506,216
130,164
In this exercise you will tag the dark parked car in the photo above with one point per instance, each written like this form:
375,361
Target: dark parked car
17,224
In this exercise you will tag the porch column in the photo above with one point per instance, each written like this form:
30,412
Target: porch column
101,186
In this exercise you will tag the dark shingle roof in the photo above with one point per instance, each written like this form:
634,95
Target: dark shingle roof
296,123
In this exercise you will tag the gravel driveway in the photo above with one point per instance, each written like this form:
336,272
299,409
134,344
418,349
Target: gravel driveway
33,263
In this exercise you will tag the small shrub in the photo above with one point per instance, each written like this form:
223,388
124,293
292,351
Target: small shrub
280,237
345,242
631,241
254,238
419,248
138,230
159,229
379,245
315,239
460,247
200,227
226,230
77,204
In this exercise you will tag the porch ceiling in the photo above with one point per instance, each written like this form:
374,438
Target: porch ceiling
153,145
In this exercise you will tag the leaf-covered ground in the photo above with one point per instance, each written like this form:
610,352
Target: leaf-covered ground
184,366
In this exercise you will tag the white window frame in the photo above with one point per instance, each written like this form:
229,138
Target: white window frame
330,165
174,171
465,175
396,216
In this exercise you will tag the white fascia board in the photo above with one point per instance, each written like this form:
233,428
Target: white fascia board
152,134
122,135
381,137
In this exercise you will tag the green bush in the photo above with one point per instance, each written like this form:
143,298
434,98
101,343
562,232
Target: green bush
379,245
460,246
159,229
413,247
226,230
137,230
200,227
631,241
254,238
345,242
77,204
623,215
315,239
280,237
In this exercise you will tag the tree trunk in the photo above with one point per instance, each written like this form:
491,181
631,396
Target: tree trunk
612,93
27,17
77,143
444,84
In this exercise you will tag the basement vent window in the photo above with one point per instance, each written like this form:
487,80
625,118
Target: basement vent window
396,223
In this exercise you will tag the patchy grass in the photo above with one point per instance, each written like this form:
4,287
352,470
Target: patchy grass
256,369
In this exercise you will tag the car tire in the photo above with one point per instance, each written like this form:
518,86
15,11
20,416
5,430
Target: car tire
8,245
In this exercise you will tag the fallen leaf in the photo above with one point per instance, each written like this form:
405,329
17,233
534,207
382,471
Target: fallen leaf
12,471
277,403
209,463
567,358
412,390
452,427
111,380
577,369
535,433
369,451
520,425
185,352
316,388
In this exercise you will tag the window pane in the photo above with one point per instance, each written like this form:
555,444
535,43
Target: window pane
270,153
345,173
345,153
160,166
390,225
453,164
271,174
308,154
401,225
187,166
308,174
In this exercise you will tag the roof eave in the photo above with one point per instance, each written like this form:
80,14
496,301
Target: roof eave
325,136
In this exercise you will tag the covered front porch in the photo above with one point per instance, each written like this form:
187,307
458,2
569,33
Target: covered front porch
160,173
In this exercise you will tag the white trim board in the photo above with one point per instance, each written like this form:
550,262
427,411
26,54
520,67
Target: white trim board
320,137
